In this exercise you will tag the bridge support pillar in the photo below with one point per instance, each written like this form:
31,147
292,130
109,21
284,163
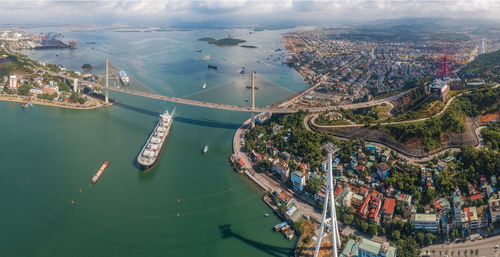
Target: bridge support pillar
75,85
253,99
106,98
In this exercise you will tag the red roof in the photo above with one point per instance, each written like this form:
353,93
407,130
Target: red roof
475,197
383,166
389,205
241,162
338,190
437,205
361,167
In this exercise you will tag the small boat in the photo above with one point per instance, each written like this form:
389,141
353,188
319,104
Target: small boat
266,215
206,58
24,105
199,51
205,149
212,67
204,84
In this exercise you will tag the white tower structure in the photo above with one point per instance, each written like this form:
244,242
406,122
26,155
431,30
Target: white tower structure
253,99
106,99
329,203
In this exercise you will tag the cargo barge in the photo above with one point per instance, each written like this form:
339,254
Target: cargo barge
99,172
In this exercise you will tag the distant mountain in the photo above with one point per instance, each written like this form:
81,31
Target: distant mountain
426,24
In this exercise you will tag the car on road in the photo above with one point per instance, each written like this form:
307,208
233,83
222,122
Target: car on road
496,247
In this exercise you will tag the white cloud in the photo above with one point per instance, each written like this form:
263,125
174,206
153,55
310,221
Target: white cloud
253,11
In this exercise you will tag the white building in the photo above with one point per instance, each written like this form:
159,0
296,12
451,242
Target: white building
494,206
427,222
12,82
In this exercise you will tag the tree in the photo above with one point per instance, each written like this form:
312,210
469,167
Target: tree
372,229
24,89
408,248
396,235
348,218
364,226
420,237
477,252
87,67
313,185
299,225
400,208
264,165
429,238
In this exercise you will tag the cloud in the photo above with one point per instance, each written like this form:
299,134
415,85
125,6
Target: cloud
172,12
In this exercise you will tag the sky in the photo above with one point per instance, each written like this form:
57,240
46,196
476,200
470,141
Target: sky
236,12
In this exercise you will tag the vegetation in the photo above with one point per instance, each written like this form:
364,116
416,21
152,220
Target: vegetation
430,132
294,139
491,136
222,41
24,89
486,65
87,67
47,96
11,65
75,98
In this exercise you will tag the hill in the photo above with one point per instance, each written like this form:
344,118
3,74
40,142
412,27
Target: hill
485,65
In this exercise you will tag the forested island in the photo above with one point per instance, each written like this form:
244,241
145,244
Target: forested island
222,41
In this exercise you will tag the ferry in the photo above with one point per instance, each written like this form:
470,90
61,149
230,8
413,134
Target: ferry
151,151
100,171
205,149
124,78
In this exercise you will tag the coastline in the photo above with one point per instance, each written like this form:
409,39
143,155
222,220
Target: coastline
19,99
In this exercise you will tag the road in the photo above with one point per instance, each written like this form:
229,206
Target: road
485,247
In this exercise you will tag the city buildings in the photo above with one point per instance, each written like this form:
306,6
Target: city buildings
439,89
426,222
13,82
298,180
367,248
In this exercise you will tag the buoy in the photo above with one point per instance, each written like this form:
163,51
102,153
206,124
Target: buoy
178,215
80,190
178,200
72,201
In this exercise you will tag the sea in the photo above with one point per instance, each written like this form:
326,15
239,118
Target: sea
190,204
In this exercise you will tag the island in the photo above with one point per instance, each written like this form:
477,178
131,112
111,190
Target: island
223,41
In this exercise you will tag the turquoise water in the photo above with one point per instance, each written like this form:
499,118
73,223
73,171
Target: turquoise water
184,206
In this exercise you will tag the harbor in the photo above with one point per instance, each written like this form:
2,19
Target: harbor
165,209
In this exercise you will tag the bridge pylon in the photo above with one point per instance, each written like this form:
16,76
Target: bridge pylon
253,99
107,73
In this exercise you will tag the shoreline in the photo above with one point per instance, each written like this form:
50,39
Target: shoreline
18,99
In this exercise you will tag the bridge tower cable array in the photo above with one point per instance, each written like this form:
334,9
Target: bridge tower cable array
107,83
253,99
329,203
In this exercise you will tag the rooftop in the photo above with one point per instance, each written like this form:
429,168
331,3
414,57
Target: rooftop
425,217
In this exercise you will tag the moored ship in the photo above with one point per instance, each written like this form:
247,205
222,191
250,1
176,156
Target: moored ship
99,172
151,151
124,78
